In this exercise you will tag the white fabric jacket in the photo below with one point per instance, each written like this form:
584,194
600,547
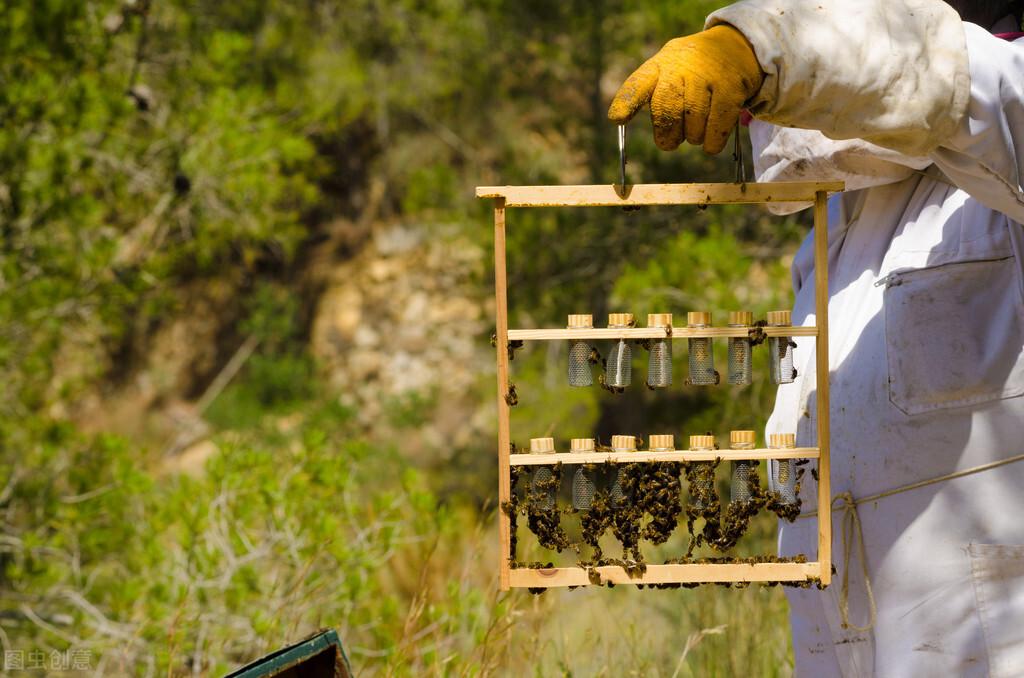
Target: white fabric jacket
926,316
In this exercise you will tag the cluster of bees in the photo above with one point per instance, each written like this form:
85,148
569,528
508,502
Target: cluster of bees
584,485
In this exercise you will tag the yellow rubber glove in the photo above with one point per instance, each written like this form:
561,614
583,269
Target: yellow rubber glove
696,86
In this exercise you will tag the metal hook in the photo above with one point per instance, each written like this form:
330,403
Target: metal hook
737,155
622,155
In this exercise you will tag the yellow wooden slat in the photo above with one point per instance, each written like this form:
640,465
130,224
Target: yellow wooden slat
648,457
609,195
666,574
557,334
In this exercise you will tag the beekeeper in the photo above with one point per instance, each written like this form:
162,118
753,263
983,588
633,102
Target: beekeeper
920,110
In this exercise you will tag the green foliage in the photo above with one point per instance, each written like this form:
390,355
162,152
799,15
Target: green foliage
135,153
150,150
280,376
270,540
411,410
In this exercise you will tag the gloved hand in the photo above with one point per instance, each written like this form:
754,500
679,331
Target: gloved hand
697,87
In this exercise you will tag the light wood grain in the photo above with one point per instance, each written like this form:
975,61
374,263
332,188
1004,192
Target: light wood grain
557,334
822,386
608,195
666,574
648,457
504,423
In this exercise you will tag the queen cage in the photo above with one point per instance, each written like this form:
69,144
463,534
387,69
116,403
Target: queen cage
619,368
702,357
622,444
580,373
739,489
702,487
542,495
780,349
584,480
657,466
784,470
740,371
659,361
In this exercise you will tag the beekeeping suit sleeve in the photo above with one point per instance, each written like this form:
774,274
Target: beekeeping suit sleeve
891,72
883,89
985,154
790,154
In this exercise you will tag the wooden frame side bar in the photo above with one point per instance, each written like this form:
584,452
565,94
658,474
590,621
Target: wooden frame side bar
648,457
822,386
666,574
556,334
610,195
504,416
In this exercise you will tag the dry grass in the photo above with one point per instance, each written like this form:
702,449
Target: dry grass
592,631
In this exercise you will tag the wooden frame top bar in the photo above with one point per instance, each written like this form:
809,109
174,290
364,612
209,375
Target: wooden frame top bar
666,574
654,333
643,457
612,195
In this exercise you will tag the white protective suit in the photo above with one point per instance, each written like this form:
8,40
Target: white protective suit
926,317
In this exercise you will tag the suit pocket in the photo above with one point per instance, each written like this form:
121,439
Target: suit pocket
998,575
954,335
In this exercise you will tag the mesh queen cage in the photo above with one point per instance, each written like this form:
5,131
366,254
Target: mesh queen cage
702,358
703,484
780,349
620,444
784,470
659,362
584,481
619,365
739,349
739,489
542,495
580,373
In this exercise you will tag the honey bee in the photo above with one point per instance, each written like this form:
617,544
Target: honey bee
512,398
611,389
756,333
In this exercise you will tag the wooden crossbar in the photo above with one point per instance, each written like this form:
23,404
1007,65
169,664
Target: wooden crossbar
654,333
666,574
648,457
608,195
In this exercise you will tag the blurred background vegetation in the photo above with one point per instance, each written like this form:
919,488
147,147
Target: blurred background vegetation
244,320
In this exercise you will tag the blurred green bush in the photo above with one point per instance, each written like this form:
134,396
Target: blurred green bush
149,150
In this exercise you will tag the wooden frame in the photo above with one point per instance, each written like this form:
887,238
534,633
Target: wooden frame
815,193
